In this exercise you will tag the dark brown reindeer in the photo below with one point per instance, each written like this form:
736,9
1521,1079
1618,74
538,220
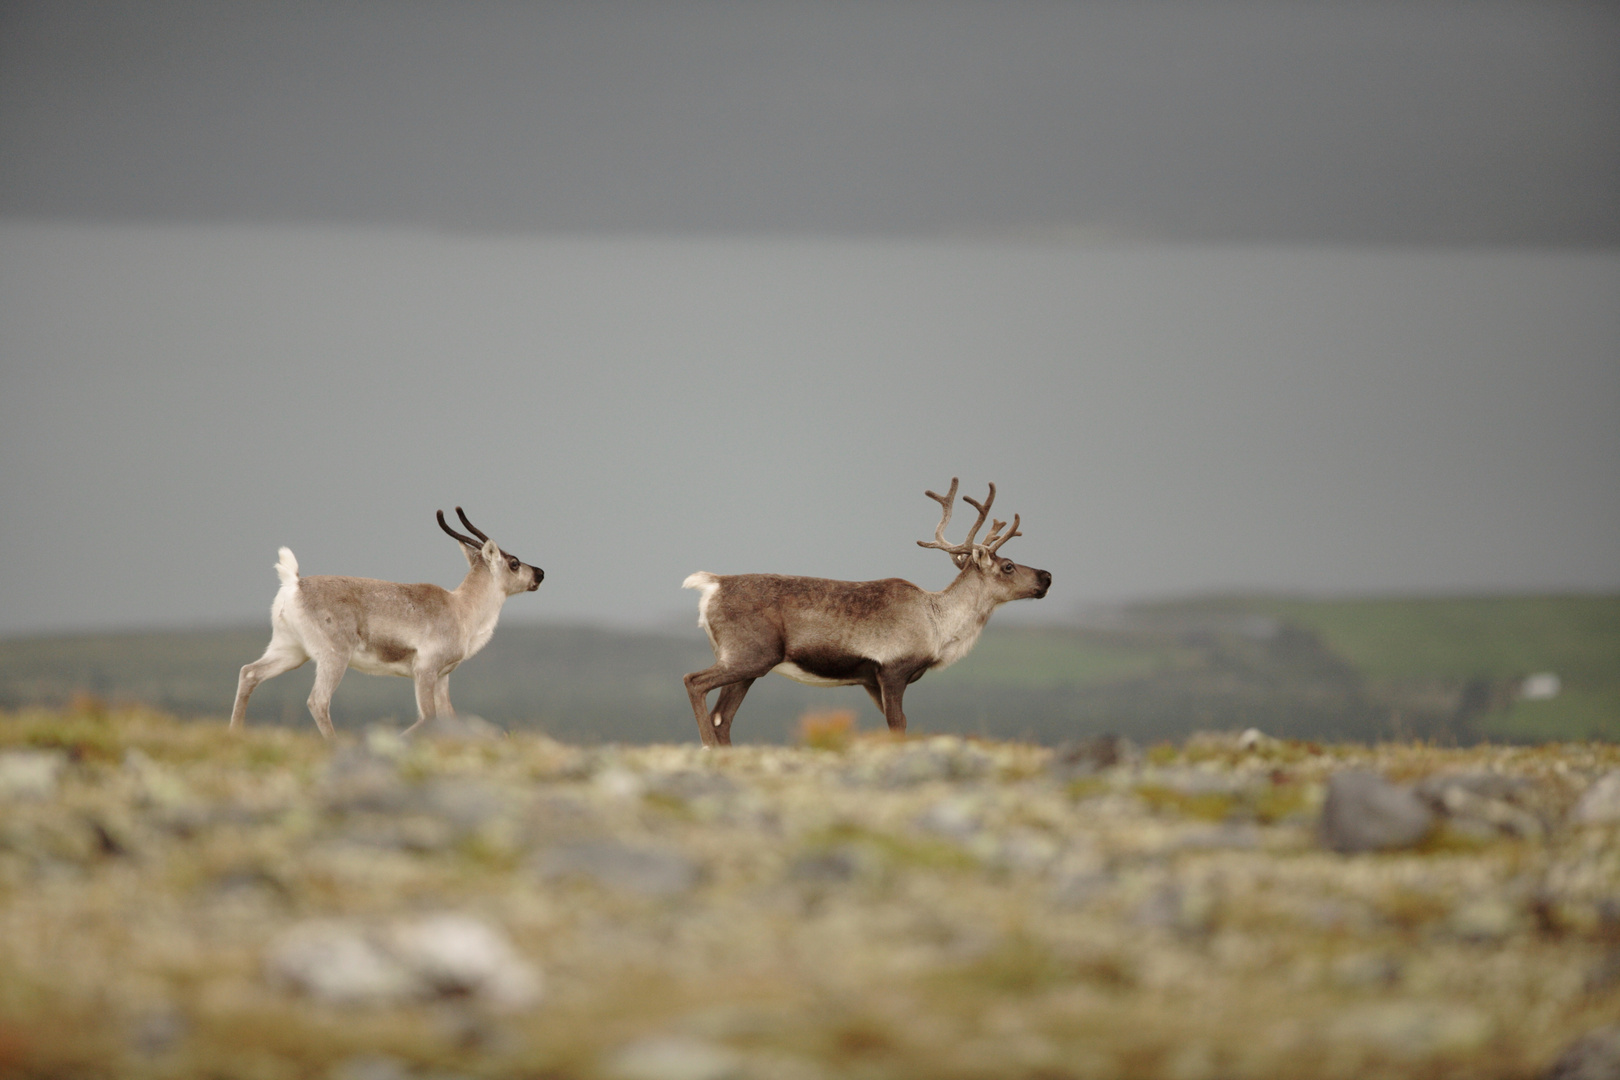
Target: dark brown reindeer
383,628
882,635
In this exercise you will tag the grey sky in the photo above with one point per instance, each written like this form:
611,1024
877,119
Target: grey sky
1407,121
178,402
1314,297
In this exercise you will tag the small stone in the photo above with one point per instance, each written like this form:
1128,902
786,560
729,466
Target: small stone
30,774
336,962
1253,739
845,862
370,1067
445,955
1365,812
673,1058
458,955
619,784
464,804
1594,1056
1601,803
1487,919
1093,755
459,728
1077,888
358,780
1413,1030
957,817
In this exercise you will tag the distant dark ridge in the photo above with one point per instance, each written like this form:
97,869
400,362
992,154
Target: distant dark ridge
1445,669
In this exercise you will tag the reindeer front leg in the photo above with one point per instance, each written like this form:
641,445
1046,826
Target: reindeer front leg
891,690
329,669
441,698
427,679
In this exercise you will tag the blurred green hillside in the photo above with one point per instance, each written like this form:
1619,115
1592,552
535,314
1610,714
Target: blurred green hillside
1445,669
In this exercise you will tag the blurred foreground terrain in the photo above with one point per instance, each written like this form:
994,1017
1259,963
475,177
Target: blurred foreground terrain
1450,670
176,901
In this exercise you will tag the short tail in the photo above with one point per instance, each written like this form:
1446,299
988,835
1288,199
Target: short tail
287,567
709,584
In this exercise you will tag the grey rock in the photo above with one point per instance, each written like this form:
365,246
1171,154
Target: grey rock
465,805
345,962
30,774
337,962
466,728
620,867
1365,812
1093,755
158,1032
943,758
1600,805
1594,1056
1482,803
1482,785
457,955
1080,887
958,817
689,785
673,1058
836,865
359,780
370,1067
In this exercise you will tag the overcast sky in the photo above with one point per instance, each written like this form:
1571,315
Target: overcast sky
1314,297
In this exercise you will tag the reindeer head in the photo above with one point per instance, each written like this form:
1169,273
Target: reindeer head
1008,580
511,573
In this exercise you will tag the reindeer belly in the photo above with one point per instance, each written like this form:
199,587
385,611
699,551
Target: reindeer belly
824,669
383,658
798,674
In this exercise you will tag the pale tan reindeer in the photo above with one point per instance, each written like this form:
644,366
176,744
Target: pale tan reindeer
383,628
882,635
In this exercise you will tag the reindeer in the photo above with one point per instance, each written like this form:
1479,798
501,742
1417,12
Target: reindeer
882,635
382,628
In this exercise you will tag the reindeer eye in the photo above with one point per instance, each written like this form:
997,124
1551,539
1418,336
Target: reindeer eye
1007,568
513,563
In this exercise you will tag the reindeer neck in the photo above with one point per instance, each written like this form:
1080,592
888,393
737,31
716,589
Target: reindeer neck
964,606
478,601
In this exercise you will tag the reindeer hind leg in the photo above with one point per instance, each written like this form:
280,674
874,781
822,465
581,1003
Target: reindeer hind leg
731,698
698,685
280,657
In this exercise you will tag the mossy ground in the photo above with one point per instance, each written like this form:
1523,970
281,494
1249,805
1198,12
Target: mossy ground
930,908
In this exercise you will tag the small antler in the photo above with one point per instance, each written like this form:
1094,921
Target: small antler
469,541
475,530
946,500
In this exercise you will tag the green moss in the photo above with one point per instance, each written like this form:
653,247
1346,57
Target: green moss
1204,805
917,852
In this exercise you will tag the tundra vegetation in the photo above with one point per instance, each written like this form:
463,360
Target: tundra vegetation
179,901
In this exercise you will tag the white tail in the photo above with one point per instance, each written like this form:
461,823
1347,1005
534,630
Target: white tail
881,635
382,628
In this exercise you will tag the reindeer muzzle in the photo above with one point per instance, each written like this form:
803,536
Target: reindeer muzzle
1045,579
539,576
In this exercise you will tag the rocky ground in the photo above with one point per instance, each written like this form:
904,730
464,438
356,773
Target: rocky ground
178,902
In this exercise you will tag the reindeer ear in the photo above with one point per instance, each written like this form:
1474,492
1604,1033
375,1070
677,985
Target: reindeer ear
982,558
491,552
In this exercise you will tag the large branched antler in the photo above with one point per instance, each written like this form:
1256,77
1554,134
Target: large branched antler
993,542
966,548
